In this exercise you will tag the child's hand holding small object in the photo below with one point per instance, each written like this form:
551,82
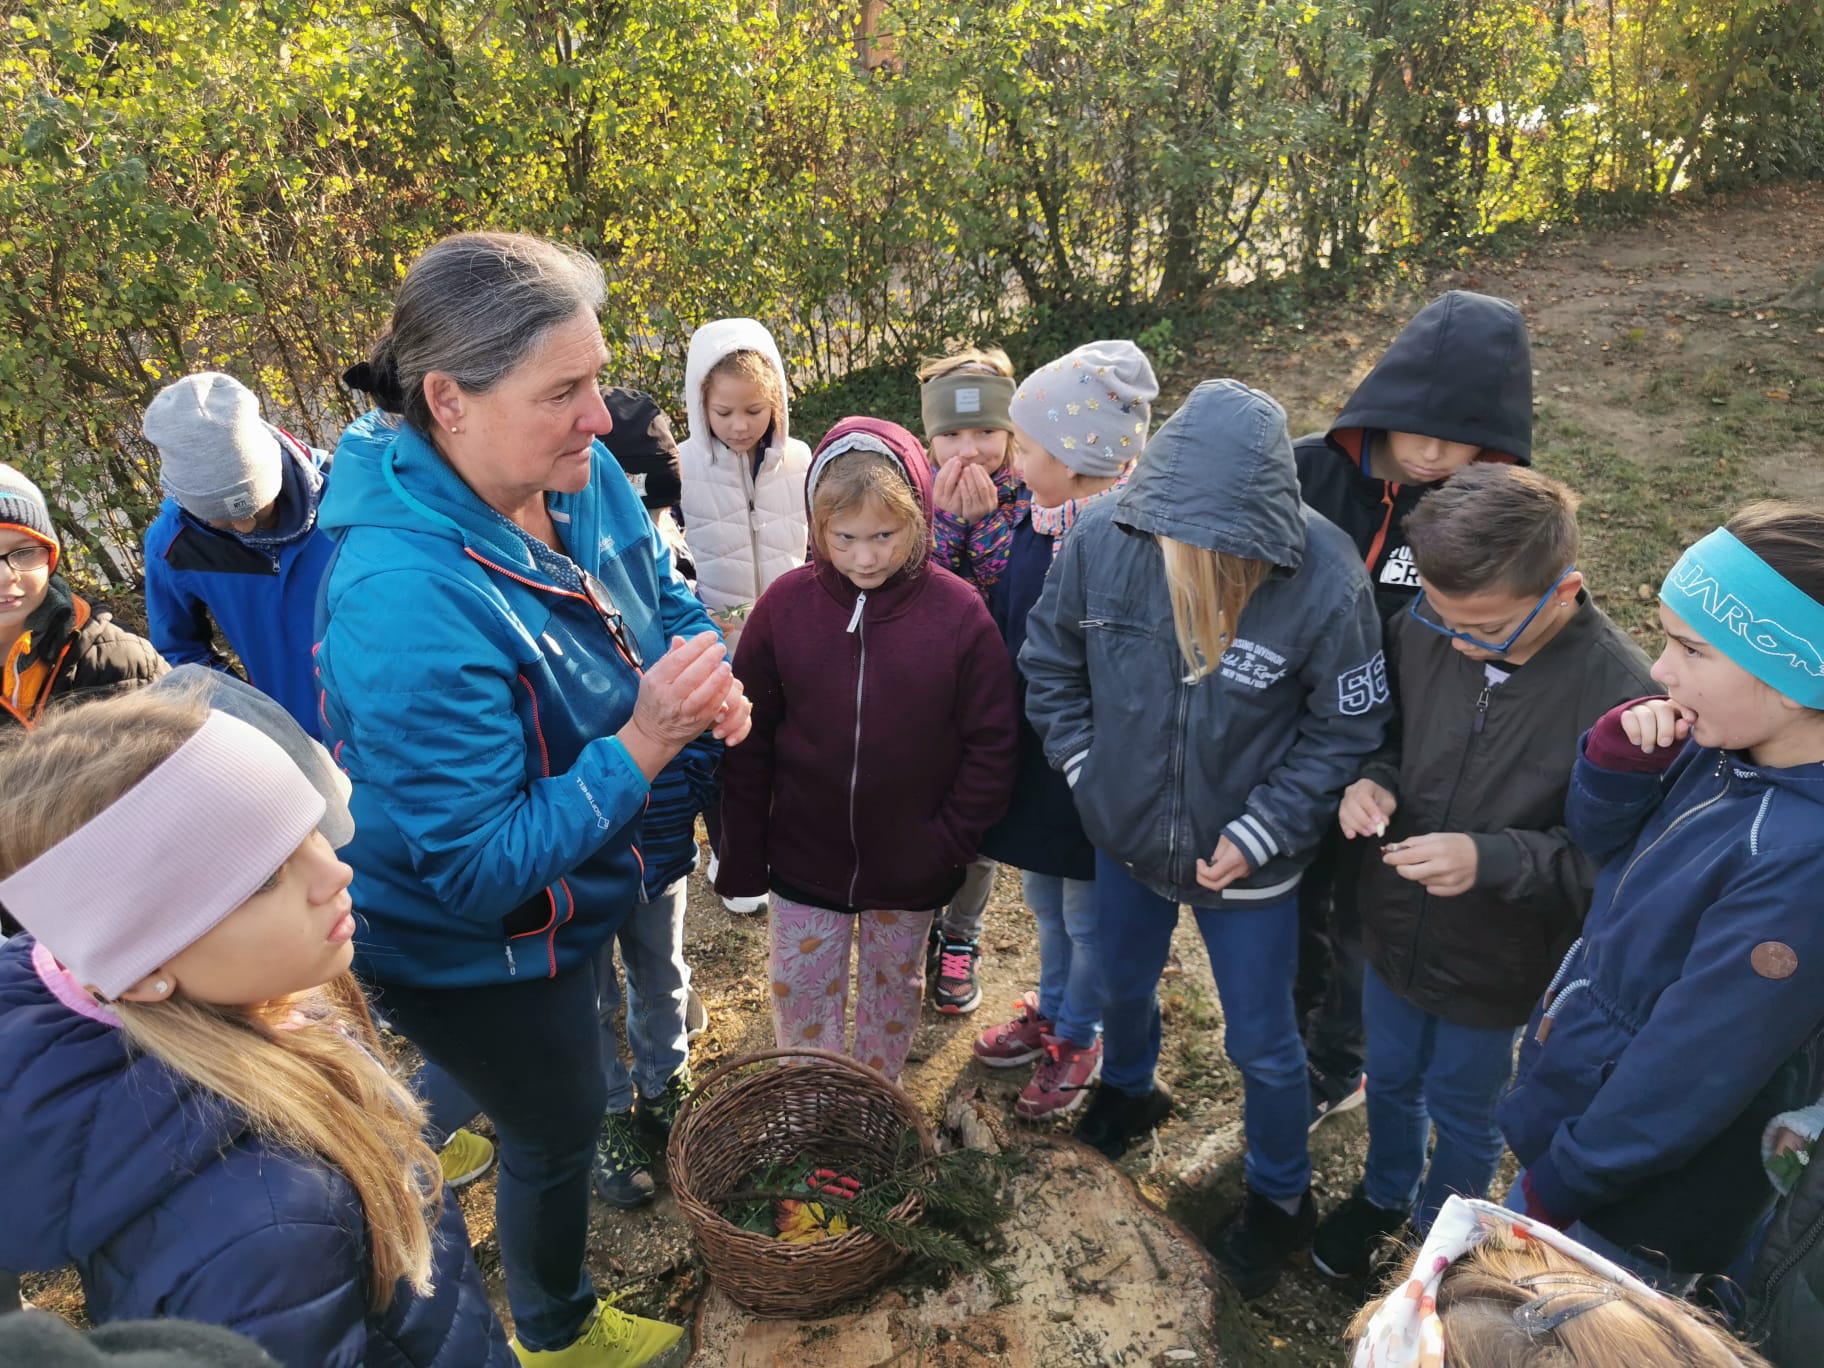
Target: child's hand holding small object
1787,1145
1444,862
1365,809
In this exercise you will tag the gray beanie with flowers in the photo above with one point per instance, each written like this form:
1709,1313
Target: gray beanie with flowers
1090,408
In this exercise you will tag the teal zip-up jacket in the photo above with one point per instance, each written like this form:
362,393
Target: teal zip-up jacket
473,702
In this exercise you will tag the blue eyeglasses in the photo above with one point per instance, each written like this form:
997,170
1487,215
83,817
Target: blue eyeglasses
1419,606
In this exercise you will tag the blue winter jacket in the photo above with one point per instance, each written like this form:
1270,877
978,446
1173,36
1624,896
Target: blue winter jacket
1689,1013
1260,749
263,598
473,701
169,1205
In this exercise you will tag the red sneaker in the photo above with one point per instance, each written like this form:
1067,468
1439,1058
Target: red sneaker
1020,1041
1062,1081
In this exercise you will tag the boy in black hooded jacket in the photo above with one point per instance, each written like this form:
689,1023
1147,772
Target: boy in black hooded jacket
1455,386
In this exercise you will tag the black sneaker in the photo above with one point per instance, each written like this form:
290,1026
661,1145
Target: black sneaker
1115,1119
659,1112
956,989
1254,1247
1353,1240
1331,1096
934,950
623,1164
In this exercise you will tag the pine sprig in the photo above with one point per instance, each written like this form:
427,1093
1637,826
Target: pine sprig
964,1197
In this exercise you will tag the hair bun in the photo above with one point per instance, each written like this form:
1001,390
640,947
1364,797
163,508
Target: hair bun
378,379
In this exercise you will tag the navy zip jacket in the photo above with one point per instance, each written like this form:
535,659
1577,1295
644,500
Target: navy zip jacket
1260,749
1461,370
1690,1012
473,700
260,591
1041,831
168,1204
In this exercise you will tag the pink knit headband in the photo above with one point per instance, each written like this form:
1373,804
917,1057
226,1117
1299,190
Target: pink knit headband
158,869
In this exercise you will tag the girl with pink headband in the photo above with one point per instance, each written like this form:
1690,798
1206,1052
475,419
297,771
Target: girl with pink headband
198,1116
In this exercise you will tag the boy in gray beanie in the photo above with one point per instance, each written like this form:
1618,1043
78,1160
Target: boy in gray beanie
236,543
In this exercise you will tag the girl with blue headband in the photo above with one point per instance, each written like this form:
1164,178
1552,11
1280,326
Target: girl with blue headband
1692,1010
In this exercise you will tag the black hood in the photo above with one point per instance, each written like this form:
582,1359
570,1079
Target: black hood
1461,371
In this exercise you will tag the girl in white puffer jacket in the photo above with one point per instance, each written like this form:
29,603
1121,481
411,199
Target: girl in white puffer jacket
743,496
743,499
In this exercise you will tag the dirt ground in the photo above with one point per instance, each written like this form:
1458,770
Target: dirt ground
1668,391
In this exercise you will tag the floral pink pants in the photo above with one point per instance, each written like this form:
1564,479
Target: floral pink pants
809,964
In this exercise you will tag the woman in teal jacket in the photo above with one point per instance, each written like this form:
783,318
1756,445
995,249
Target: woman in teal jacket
497,681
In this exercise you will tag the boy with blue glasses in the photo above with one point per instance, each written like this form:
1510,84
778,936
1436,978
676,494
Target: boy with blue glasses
1499,664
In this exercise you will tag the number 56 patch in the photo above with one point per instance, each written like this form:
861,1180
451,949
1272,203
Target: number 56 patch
1359,689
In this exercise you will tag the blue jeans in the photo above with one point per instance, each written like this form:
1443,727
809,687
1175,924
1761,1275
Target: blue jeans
1253,952
1425,1071
529,1054
1070,956
1649,1270
658,987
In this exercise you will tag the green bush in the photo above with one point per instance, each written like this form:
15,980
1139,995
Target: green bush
240,184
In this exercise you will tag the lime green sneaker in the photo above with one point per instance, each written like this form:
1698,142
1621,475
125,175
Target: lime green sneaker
465,1157
612,1339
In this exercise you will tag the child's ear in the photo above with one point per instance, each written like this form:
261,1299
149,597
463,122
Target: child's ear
156,986
1568,588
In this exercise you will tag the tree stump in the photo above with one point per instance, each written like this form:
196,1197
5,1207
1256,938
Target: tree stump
1100,1275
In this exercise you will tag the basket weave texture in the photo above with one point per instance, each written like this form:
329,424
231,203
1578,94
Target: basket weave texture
760,1110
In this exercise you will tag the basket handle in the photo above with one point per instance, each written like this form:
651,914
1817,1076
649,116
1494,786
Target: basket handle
927,1143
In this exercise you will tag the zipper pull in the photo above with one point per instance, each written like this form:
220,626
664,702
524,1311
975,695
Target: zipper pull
861,600
1481,710
512,968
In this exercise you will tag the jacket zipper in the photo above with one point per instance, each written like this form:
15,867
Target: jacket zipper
1770,1285
1184,706
753,532
861,674
1475,730
1552,1002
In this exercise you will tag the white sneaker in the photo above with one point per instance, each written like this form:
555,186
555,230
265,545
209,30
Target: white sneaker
741,907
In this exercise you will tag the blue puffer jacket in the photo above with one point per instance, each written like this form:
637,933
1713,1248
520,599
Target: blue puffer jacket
168,1205
261,594
1690,1012
473,701
1258,751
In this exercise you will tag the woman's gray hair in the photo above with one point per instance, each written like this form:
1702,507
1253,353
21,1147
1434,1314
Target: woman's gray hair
473,307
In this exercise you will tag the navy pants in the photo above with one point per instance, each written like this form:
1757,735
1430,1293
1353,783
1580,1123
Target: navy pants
529,1055
1253,949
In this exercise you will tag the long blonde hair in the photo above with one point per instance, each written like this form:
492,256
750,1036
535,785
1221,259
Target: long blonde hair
1210,591
1620,1328
303,1071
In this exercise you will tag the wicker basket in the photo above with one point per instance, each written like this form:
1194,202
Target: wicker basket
756,1111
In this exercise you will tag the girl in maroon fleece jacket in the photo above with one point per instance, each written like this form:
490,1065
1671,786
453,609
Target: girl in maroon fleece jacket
882,749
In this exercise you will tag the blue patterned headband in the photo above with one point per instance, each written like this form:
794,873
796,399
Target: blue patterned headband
1751,613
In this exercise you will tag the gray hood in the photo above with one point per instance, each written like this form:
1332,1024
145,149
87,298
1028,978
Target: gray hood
1219,474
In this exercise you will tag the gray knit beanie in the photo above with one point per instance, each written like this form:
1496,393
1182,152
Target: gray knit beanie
1090,408
217,457
22,506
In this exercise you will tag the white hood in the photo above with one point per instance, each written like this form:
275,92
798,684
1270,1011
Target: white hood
708,345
